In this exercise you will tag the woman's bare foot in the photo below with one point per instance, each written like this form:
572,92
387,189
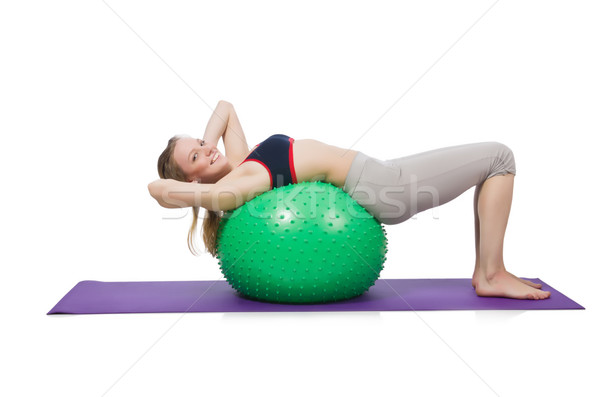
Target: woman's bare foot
527,282
531,284
503,284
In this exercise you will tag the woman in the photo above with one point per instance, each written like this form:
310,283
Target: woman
195,174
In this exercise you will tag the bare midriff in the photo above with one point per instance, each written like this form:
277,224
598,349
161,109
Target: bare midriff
318,161
313,161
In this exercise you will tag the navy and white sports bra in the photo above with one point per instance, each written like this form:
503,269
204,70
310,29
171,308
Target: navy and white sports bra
276,155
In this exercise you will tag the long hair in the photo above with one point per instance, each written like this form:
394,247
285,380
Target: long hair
168,169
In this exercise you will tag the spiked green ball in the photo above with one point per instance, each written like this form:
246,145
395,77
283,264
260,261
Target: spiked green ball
301,243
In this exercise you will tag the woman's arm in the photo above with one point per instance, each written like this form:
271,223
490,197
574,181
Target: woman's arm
219,196
170,193
224,123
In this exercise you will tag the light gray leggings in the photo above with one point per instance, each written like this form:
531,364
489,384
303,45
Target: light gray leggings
395,190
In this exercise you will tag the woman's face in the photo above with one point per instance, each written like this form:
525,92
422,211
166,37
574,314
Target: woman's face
200,161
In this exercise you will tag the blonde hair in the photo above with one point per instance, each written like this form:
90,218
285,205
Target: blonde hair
168,169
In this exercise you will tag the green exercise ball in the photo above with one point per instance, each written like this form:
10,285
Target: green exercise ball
301,243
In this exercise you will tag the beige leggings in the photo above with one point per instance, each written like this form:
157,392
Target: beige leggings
395,190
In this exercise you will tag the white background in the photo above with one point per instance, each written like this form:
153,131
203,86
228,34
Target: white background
90,92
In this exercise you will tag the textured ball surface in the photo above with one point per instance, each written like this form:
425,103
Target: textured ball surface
301,243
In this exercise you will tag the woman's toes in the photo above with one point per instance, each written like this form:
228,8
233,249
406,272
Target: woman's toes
527,282
543,294
534,285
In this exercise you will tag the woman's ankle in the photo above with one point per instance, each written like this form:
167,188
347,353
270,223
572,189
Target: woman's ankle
491,271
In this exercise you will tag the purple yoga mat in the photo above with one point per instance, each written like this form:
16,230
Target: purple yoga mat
94,297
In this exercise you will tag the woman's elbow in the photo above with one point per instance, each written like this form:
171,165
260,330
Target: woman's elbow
156,190
152,189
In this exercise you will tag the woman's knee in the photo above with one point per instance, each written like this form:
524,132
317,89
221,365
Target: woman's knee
505,157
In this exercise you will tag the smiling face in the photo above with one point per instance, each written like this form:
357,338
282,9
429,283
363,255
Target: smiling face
200,161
